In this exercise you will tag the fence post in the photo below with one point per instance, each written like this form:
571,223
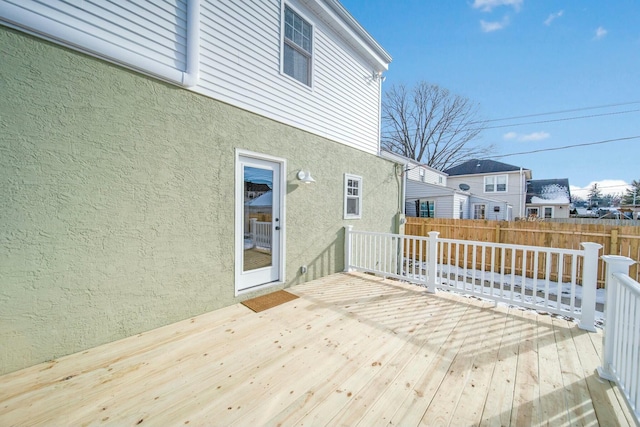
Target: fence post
614,264
589,285
252,228
347,247
432,262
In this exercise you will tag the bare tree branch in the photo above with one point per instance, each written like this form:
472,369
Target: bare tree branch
431,125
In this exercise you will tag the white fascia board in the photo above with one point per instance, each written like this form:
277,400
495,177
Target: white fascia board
344,24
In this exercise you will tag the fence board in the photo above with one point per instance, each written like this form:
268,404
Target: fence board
615,239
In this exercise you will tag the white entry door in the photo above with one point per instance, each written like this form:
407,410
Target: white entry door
259,224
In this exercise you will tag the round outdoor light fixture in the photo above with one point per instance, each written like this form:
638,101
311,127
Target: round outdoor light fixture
305,176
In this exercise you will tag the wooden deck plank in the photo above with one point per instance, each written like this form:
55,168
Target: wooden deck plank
475,391
621,409
377,401
352,350
497,408
413,408
526,396
609,409
451,389
579,405
553,405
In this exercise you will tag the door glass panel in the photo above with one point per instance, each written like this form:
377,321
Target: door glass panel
258,218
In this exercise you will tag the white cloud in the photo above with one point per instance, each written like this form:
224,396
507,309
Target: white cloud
553,17
600,33
488,27
606,186
488,5
534,136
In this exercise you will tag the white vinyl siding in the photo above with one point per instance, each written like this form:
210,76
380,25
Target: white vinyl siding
240,64
147,35
240,50
427,175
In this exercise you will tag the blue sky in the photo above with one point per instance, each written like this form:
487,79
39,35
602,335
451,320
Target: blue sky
526,57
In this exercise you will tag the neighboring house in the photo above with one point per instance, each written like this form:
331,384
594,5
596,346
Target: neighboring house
425,192
427,195
548,198
500,188
129,132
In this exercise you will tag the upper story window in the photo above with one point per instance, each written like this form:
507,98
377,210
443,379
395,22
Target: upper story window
495,184
352,196
297,47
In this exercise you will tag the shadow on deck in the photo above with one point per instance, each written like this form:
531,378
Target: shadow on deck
352,350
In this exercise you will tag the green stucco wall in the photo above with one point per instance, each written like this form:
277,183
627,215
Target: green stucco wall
116,200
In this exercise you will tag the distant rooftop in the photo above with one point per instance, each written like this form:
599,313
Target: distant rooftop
476,166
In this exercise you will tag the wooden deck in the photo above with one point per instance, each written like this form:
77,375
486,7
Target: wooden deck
352,350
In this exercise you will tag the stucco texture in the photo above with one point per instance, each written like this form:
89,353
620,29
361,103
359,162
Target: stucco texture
117,200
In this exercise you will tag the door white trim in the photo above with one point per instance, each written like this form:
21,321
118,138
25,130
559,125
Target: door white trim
238,222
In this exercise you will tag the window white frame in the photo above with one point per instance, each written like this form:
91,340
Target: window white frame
431,208
352,196
548,209
496,183
479,208
298,41
533,212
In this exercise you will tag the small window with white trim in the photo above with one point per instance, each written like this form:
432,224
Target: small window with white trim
296,48
548,211
352,196
495,184
479,211
427,209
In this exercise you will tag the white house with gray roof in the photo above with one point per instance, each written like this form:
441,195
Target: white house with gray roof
490,180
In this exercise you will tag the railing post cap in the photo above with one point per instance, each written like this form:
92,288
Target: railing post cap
617,259
591,245
349,227
433,233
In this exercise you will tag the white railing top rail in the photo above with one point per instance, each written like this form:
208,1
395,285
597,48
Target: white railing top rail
477,243
627,281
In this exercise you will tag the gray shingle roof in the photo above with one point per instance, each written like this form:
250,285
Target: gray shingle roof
475,166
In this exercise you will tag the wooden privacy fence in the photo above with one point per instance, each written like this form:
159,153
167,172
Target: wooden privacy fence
616,240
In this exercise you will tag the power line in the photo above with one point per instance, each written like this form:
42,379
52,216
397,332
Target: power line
561,120
565,147
561,111
536,122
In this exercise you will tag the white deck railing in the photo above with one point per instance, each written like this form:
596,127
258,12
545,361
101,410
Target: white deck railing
260,234
501,272
621,343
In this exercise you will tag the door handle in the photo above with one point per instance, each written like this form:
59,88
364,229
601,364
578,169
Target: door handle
277,227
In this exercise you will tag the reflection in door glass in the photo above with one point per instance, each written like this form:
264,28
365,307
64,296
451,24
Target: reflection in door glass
258,209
